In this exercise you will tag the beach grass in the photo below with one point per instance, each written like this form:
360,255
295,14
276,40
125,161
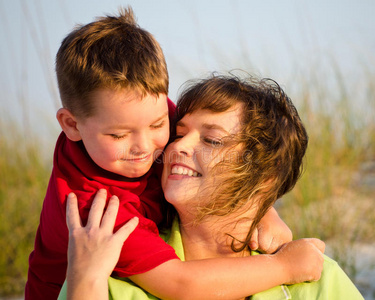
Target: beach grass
24,176
332,200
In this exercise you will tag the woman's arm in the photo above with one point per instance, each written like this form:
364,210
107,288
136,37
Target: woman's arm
94,249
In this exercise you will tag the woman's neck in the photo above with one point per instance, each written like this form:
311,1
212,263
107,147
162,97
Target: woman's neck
210,238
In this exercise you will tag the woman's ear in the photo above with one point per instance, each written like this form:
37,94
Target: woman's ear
68,123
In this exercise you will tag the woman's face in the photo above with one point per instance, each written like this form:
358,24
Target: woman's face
199,145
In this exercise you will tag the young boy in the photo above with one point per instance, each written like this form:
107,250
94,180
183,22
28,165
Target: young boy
113,83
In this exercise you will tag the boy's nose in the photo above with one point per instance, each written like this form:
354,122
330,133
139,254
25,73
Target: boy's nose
141,144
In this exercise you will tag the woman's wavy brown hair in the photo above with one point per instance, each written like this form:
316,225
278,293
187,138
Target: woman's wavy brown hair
272,138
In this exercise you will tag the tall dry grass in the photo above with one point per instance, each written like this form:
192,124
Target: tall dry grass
330,200
24,176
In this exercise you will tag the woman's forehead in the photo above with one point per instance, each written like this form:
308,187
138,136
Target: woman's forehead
228,120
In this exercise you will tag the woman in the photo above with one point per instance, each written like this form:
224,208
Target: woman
238,147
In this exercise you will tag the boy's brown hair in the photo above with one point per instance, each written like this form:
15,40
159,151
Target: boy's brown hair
112,52
273,142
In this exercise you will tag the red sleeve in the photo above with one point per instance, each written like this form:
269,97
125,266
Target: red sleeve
143,250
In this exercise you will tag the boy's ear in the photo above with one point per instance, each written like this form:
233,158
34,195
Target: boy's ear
68,123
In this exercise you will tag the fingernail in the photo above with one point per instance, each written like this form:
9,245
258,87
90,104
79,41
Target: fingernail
71,195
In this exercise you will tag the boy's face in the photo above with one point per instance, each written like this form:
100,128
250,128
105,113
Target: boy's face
126,134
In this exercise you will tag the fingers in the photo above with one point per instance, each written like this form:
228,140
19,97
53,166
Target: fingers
254,240
109,217
265,241
96,217
319,244
270,247
73,219
124,232
96,210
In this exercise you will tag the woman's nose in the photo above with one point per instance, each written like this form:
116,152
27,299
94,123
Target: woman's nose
185,145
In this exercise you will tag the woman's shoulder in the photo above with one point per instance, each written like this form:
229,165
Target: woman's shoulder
333,284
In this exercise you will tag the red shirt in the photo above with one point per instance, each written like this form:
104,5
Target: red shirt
74,171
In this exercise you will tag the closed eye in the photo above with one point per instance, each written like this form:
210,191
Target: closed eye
158,125
118,137
213,142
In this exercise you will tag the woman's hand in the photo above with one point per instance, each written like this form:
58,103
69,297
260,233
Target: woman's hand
270,234
93,250
302,260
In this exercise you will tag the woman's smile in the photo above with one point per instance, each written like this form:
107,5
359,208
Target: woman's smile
180,169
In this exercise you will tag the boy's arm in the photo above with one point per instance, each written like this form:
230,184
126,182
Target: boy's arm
271,233
234,278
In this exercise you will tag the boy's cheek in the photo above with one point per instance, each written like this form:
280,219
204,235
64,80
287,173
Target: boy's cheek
163,139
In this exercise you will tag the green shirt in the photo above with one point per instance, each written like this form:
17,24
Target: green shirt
334,284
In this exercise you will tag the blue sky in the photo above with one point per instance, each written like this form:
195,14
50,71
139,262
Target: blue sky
272,38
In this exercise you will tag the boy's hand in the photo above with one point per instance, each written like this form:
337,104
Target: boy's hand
270,234
95,249
302,260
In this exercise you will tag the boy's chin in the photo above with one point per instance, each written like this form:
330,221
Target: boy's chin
136,172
